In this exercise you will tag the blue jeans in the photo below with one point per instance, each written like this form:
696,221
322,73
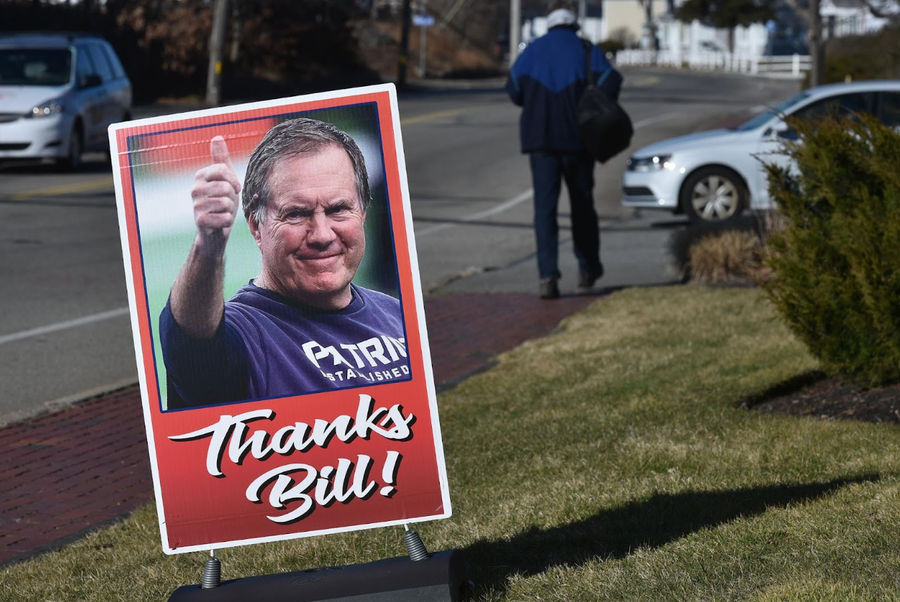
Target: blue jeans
548,170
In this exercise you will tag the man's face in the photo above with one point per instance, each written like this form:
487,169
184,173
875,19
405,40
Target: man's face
312,238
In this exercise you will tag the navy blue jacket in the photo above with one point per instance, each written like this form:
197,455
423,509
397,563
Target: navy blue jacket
546,81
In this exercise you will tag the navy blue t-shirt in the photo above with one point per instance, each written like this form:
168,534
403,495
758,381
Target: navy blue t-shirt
268,346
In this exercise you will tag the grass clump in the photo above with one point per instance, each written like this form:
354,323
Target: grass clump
723,253
837,259
609,461
732,256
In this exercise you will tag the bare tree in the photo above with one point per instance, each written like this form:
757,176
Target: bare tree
816,47
812,17
216,46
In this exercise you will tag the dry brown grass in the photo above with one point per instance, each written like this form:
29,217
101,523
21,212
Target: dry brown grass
726,257
715,253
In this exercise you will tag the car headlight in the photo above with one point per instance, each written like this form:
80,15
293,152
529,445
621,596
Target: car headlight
652,163
46,109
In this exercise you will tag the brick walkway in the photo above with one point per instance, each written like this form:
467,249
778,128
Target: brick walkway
69,471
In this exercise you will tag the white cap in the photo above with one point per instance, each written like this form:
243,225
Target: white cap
561,16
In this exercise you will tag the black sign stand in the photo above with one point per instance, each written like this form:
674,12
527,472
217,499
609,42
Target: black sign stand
438,576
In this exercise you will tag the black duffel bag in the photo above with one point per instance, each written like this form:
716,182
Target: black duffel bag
605,127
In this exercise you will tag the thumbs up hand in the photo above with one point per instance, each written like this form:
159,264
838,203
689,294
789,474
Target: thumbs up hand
215,195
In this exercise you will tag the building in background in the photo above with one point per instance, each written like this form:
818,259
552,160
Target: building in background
651,25
850,18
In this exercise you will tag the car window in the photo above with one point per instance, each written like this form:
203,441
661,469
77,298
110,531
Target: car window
841,104
35,66
764,117
117,68
104,69
889,111
84,66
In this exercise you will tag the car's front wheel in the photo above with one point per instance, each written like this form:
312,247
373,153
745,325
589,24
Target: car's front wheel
713,194
72,160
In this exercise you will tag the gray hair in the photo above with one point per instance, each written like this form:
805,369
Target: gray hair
289,139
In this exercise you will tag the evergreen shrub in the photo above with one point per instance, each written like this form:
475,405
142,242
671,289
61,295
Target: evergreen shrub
611,47
836,261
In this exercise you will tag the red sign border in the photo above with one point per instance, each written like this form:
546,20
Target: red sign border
161,425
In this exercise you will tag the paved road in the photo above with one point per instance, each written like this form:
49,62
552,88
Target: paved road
473,217
64,328
470,203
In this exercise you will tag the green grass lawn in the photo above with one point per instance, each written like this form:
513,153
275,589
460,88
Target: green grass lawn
608,461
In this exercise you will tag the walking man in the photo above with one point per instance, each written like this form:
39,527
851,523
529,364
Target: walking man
547,81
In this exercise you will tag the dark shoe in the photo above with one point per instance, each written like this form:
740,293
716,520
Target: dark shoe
549,288
587,278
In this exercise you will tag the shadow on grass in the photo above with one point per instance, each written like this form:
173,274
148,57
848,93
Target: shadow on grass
791,385
616,533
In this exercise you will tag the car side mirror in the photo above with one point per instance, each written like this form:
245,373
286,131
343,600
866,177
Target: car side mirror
786,133
781,130
91,80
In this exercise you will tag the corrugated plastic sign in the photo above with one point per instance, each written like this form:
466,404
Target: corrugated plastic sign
355,445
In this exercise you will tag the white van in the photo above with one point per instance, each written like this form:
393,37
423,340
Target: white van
58,94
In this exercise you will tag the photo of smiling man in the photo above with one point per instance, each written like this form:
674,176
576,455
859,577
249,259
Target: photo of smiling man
301,325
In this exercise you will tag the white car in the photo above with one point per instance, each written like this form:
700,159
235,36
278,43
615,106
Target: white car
715,175
58,95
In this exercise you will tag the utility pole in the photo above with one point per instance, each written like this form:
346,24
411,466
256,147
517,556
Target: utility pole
216,45
816,48
582,21
404,44
515,27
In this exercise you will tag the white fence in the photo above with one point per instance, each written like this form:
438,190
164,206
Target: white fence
774,66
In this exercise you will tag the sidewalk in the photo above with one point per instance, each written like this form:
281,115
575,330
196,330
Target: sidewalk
76,469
